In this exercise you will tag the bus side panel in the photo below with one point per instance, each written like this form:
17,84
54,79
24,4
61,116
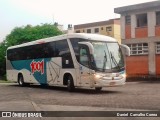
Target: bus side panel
28,76
11,72
55,72
72,72
33,70
53,69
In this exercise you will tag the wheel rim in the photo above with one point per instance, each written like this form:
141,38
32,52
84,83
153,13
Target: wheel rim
20,81
69,83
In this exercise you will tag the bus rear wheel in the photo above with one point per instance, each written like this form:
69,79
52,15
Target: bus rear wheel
21,81
70,84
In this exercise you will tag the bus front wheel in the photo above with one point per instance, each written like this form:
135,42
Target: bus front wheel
98,88
21,81
70,84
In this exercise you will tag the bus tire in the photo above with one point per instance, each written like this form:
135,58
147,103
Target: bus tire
44,85
70,84
21,81
98,88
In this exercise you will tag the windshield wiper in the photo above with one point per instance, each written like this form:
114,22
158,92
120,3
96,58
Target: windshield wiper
105,60
114,61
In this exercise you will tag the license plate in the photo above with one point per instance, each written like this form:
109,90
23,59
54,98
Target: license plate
112,83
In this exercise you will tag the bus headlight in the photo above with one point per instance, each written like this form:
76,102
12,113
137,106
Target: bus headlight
124,75
97,76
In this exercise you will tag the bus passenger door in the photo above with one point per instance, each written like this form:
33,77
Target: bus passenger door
84,65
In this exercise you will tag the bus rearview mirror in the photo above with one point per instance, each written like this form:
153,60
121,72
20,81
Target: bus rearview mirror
125,49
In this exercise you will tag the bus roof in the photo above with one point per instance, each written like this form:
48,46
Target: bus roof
87,36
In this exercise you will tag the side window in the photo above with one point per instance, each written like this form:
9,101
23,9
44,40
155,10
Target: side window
128,19
37,51
51,49
62,50
15,54
30,52
10,54
34,51
22,53
88,30
78,31
96,30
158,18
74,42
84,58
141,20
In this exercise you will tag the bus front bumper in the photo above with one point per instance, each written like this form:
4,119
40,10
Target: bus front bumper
109,83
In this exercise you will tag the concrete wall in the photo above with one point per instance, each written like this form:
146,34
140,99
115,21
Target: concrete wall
117,32
133,25
122,22
151,17
151,58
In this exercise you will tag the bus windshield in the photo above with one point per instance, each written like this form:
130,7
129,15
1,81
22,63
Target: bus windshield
107,56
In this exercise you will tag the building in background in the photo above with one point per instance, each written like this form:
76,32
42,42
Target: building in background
140,30
70,29
108,28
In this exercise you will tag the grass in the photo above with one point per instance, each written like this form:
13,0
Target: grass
5,81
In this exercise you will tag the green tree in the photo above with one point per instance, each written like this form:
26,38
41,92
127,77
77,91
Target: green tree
29,33
2,58
25,34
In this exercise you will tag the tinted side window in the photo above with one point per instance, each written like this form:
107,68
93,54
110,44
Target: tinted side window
51,49
13,54
62,50
27,52
84,58
33,52
10,54
22,53
74,42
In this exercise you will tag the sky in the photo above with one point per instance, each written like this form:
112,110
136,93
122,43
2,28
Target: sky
17,13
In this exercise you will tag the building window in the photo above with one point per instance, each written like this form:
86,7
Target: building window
158,18
108,28
138,49
158,48
141,20
128,19
77,31
101,28
88,30
96,30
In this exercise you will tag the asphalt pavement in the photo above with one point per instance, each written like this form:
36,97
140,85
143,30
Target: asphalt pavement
134,96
